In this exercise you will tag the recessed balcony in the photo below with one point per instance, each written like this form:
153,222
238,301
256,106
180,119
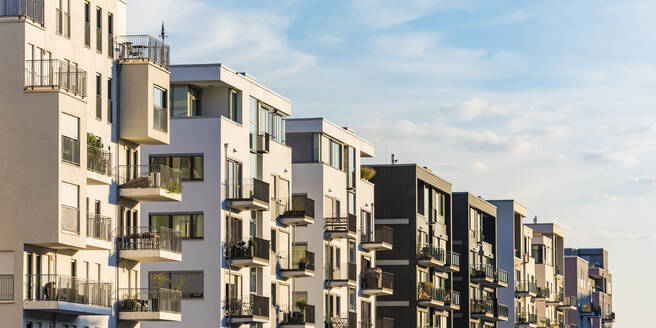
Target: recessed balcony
381,239
65,295
301,214
247,195
300,266
55,75
341,227
483,309
299,318
432,257
526,320
525,289
429,296
149,184
146,304
252,312
376,282
567,303
251,253
145,244
341,276
99,231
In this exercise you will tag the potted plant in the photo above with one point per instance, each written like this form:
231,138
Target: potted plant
302,263
158,280
367,172
50,290
301,304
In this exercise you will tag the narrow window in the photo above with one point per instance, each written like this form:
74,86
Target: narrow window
110,113
99,30
110,35
98,96
87,24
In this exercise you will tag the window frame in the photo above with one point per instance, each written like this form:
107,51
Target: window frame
192,166
182,273
193,218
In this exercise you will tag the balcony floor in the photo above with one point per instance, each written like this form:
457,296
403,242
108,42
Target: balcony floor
150,316
300,220
376,246
249,204
66,308
377,291
248,319
296,273
248,262
150,255
150,195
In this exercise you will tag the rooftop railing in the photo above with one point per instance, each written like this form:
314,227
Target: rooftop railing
144,176
149,300
23,8
253,248
6,287
143,47
258,306
141,238
55,74
99,227
99,160
53,287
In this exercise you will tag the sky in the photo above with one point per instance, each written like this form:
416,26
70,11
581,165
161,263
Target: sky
551,103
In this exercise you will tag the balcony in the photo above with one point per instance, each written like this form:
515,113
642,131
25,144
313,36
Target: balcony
525,288
247,195
67,295
542,293
99,231
143,244
6,288
145,304
429,296
526,320
255,311
99,164
501,313
149,184
589,310
70,151
341,276
341,227
483,274
608,317
567,303
385,323
251,253
454,300
381,239
483,309
452,262
301,214
262,143
429,256
49,75
142,48
301,265
299,318
375,282
341,322
32,9
500,278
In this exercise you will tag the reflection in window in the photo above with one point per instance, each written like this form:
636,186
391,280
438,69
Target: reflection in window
190,226
190,283
190,166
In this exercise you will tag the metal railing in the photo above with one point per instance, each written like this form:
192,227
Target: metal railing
300,317
149,300
501,310
525,318
253,248
138,238
452,259
455,298
143,47
258,306
526,287
99,160
482,306
501,275
337,322
160,119
99,227
610,316
54,287
482,272
70,150
375,278
428,252
347,272
247,189
301,260
144,176
569,301
301,206
542,292
426,292
55,74
70,219
385,323
6,287
23,8
380,234
341,224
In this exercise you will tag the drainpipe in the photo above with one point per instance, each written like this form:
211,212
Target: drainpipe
117,112
228,224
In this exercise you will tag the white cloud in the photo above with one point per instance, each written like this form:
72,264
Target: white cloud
385,13
607,197
644,181
478,166
612,156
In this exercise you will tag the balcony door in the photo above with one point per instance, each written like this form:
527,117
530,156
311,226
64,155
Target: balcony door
233,180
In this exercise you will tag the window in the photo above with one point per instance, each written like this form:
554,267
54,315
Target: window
186,101
87,24
235,108
233,181
538,254
189,282
252,125
63,19
351,299
191,166
352,257
316,147
160,114
233,287
440,208
99,29
253,280
332,207
234,230
70,150
335,155
189,225
98,96
110,112
351,203
110,35
351,167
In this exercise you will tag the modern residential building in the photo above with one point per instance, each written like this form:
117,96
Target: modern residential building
78,100
548,252
475,234
326,168
416,204
514,255
236,220
589,280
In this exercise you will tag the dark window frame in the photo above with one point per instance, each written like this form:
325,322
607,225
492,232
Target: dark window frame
169,163
184,295
192,219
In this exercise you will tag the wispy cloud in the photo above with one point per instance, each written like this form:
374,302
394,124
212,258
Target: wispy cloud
620,235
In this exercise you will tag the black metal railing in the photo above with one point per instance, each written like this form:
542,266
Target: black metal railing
501,310
99,160
526,287
70,219
542,292
149,300
610,316
6,287
385,323
23,8
99,227
428,252
482,306
501,276
301,260
380,234
375,278
452,259
54,287
258,306
337,322
160,119
300,317
247,189
426,292
526,318
253,248
455,298
144,176
334,273
482,272
143,47
55,74
301,206
70,150
569,301
138,238
341,224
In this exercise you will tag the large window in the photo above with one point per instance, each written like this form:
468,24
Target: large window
191,226
160,114
191,166
335,155
273,123
189,282
351,299
235,106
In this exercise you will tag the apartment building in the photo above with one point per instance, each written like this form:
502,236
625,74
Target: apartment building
514,250
590,282
239,262
78,100
326,166
416,204
548,252
475,234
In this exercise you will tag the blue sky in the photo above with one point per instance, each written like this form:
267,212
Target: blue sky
548,102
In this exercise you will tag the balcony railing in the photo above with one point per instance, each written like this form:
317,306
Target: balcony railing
428,252
301,260
526,287
70,150
569,301
300,317
253,248
455,298
247,189
99,227
385,323
453,259
375,278
338,322
347,272
341,224
501,310
6,287
160,119
501,276
55,74
99,160
142,238
542,292
482,272
482,306
426,292
144,176
149,300
608,317
301,206
380,234
526,318
70,219
258,306
53,287
23,8
143,47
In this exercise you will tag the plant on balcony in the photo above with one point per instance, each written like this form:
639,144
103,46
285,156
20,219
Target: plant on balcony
93,141
367,172
425,288
302,263
301,304
174,188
